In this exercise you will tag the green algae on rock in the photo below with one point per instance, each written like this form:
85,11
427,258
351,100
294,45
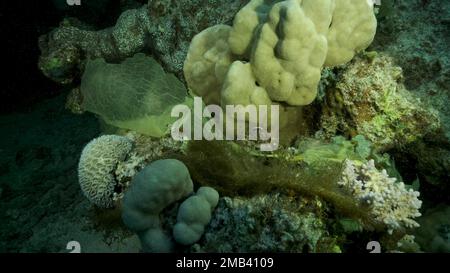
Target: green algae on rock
267,223
370,99
136,94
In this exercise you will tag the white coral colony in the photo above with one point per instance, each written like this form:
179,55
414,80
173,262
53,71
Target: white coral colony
97,165
390,202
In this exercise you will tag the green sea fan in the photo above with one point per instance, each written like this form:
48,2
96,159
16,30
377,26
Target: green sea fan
136,94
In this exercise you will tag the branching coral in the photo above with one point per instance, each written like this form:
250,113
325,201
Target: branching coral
389,201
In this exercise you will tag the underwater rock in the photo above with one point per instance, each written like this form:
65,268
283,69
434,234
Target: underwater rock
356,189
38,155
417,39
175,23
153,149
61,64
64,50
162,27
74,101
429,161
266,223
406,244
433,162
434,232
415,34
370,99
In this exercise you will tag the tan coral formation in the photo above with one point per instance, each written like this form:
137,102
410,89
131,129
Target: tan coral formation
286,44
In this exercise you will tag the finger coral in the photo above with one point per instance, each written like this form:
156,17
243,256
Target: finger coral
194,214
153,189
97,165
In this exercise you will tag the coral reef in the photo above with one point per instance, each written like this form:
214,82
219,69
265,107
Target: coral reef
155,148
162,27
407,244
152,190
125,171
389,201
266,223
333,178
65,48
370,99
415,35
332,188
98,162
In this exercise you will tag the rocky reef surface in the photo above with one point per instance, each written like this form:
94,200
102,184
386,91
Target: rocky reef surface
384,115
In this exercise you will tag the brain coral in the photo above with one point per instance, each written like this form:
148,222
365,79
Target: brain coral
97,165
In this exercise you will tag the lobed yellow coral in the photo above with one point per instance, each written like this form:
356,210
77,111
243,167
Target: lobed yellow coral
287,43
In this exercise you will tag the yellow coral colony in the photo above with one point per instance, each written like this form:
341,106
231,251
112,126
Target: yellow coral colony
275,50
